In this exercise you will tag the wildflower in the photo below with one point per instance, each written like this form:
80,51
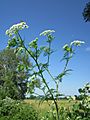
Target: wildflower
46,32
15,28
77,43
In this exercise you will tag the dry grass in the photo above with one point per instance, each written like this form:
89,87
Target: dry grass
44,107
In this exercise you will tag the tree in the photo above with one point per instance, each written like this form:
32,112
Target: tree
13,78
86,12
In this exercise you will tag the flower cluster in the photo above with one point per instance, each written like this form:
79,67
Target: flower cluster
15,28
46,32
77,43
68,48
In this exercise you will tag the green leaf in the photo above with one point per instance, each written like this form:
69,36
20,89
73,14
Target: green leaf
20,67
33,44
12,42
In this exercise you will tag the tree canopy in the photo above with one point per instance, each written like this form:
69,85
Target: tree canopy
13,78
86,12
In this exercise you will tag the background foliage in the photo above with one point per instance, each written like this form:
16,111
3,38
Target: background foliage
13,82
15,110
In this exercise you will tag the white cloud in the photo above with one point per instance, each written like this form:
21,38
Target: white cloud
88,49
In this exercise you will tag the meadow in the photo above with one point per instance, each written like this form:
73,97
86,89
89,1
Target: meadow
44,107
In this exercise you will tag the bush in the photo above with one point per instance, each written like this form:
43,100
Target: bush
16,110
80,110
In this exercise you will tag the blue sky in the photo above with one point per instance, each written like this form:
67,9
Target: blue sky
65,17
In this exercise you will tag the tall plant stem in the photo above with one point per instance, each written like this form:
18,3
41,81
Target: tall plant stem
49,52
43,79
56,106
55,102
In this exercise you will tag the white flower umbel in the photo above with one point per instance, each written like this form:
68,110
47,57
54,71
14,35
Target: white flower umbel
46,32
77,43
15,28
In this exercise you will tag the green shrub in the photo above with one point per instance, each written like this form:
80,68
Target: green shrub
16,110
80,110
